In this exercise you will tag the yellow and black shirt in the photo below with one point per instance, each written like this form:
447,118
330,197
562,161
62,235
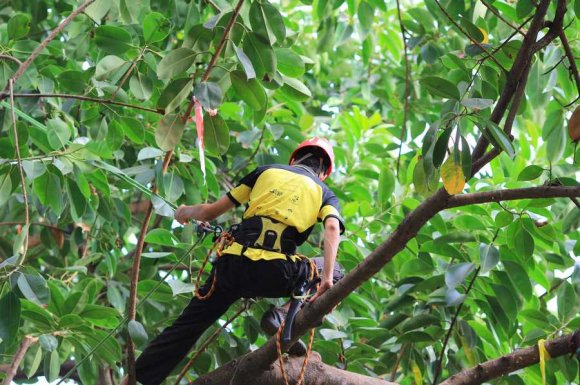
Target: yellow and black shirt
291,196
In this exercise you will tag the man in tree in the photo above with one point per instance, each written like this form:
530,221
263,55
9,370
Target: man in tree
283,205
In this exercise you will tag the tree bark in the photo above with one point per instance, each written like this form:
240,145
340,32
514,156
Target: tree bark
514,361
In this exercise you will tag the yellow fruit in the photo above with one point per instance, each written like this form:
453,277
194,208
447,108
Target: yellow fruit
574,125
452,175
485,36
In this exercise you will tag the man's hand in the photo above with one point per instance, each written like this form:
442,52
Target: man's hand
324,285
183,214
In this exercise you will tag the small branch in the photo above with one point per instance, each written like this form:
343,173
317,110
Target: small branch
206,344
13,368
89,99
407,86
43,45
489,54
22,256
11,58
514,361
499,16
571,58
448,335
555,25
128,73
399,358
36,224
514,194
249,160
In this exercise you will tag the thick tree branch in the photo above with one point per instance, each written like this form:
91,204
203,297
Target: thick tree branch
514,194
516,74
514,361
43,45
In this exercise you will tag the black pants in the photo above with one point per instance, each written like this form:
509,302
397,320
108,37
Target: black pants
237,277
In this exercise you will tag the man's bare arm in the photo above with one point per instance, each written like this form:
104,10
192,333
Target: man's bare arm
204,212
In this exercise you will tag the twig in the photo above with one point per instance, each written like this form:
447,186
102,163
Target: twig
571,60
22,256
448,335
514,194
398,362
13,368
128,73
407,86
89,99
43,45
249,160
489,54
206,344
499,16
12,58
36,224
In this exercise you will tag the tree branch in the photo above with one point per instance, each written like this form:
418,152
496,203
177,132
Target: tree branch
499,16
407,86
43,45
11,58
13,368
89,99
515,75
475,42
514,194
514,361
571,60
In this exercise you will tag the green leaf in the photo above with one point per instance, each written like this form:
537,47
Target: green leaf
53,366
261,55
438,86
36,361
456,274
246,63
174,94
176,63
530,173
501,139
137,333
577,8
161,237
34,288
48,342
366,14
110,67
567,301
48,189
18,26
331,334
155,27
267,22
503,218
169,131
524,243
289,62
465,158
295,89
133,129
113,40
58,133
524,8
77,200
209,94
477,103
216,135
387,184
74,81
156,255
419,321
519,278
5,188
141,86
489,257
472,30
250,91
9,321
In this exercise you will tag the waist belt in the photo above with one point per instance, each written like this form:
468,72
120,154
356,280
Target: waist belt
273,239
257,254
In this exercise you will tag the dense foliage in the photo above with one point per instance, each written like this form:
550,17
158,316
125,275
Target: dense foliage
405,117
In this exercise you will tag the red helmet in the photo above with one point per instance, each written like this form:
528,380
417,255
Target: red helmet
325,146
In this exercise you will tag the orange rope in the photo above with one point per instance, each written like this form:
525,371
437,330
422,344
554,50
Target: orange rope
313,274
224,240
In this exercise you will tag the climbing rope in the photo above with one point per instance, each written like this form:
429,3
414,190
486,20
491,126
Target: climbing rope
223,240
313,277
